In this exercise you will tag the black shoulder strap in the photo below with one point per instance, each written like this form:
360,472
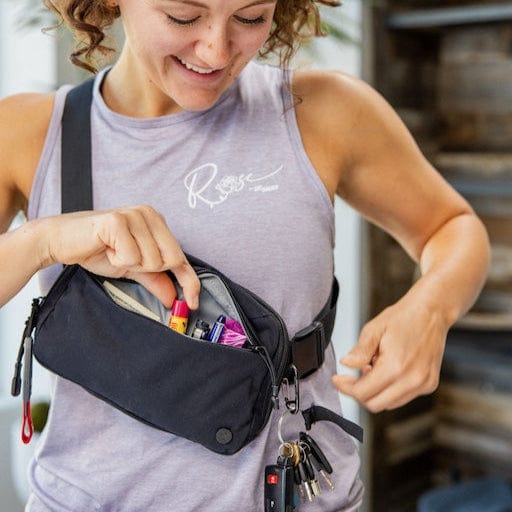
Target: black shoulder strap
76,188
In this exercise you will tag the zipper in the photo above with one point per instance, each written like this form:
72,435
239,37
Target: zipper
260,349
276,375
18,385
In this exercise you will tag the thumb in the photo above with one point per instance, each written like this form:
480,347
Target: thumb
157,283
364,352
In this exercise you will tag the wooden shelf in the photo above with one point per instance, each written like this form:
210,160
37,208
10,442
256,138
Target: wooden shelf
486,321
492,165
446,16
446,69
477,174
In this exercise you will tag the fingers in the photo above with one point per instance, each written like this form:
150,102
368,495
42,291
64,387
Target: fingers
365,351
378,395
168,251
157,283
398,360
130,242
144,243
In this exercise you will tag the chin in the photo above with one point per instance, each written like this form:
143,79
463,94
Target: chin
198,105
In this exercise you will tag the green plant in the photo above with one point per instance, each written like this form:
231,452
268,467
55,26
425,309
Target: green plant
39,412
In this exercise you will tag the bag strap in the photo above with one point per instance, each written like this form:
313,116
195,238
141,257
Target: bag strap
317,413
308,345
76,189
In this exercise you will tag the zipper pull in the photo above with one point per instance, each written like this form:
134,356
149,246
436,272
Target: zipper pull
25,353
260,349
27,427
29,326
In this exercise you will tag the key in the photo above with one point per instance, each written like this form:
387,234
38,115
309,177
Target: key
316,452
298,483
318,459
296,453
310,472
286,450
279,486
305,481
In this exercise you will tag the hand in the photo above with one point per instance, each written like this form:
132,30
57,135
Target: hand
399,355
130,242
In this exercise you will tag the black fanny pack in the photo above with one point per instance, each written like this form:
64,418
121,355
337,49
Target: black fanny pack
213,394
217,395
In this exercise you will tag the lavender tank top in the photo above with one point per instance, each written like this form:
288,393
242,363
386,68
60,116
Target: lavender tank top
237,189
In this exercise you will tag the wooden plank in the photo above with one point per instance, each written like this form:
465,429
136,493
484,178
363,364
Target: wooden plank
485,410
409,437
474,442
482,165
479,360
429,18
485,321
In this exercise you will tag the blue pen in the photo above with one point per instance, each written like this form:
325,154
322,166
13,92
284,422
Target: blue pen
216,330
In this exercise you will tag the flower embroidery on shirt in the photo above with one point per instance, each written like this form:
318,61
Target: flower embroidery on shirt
203,186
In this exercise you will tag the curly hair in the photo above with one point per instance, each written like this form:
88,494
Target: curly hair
294,22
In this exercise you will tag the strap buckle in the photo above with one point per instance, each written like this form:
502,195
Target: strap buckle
308,347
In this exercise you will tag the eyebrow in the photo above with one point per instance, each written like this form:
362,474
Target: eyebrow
199,4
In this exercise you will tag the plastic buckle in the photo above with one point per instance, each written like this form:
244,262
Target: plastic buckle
308,348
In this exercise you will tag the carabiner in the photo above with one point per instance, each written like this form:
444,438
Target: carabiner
292,405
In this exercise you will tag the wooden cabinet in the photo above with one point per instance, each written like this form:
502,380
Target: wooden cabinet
446,67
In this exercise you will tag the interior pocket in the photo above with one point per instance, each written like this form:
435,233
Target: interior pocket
215,302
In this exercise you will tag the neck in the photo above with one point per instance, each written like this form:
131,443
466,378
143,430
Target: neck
129,91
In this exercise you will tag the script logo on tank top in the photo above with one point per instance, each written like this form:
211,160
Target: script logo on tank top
204,185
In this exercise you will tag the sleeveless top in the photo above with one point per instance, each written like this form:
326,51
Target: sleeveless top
237,189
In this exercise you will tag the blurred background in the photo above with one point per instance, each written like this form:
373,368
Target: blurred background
447,69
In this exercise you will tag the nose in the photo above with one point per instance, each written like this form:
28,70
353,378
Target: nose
214,48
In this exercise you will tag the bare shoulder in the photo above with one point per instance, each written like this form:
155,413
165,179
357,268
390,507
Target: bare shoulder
327,88
24,121
338,101
334,112
343,120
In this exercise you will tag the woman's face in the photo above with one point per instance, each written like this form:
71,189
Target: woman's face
190,51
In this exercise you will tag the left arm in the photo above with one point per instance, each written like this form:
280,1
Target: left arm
379,170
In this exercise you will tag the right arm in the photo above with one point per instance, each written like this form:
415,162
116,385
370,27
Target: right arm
24,121
130,242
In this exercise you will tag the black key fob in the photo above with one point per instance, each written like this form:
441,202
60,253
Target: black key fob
279,488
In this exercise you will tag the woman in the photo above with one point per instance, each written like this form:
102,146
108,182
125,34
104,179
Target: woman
238,164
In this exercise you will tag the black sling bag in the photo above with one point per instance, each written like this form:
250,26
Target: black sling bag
213,394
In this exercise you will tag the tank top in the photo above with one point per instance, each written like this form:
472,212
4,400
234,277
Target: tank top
237,189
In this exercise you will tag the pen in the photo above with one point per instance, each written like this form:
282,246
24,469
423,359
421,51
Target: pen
217,328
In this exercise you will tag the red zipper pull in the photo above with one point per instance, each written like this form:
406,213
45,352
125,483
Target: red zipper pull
27,427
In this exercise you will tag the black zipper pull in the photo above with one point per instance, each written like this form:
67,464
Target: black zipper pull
29,327
25,353
268,361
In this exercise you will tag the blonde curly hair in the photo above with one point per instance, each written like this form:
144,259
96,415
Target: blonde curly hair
294,21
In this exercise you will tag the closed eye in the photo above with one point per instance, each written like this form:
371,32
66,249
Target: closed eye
251,21
182,22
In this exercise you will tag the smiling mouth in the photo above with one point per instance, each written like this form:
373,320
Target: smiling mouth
196,69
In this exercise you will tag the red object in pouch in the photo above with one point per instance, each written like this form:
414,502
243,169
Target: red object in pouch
179,316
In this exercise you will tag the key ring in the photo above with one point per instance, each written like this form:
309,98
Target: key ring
280,427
